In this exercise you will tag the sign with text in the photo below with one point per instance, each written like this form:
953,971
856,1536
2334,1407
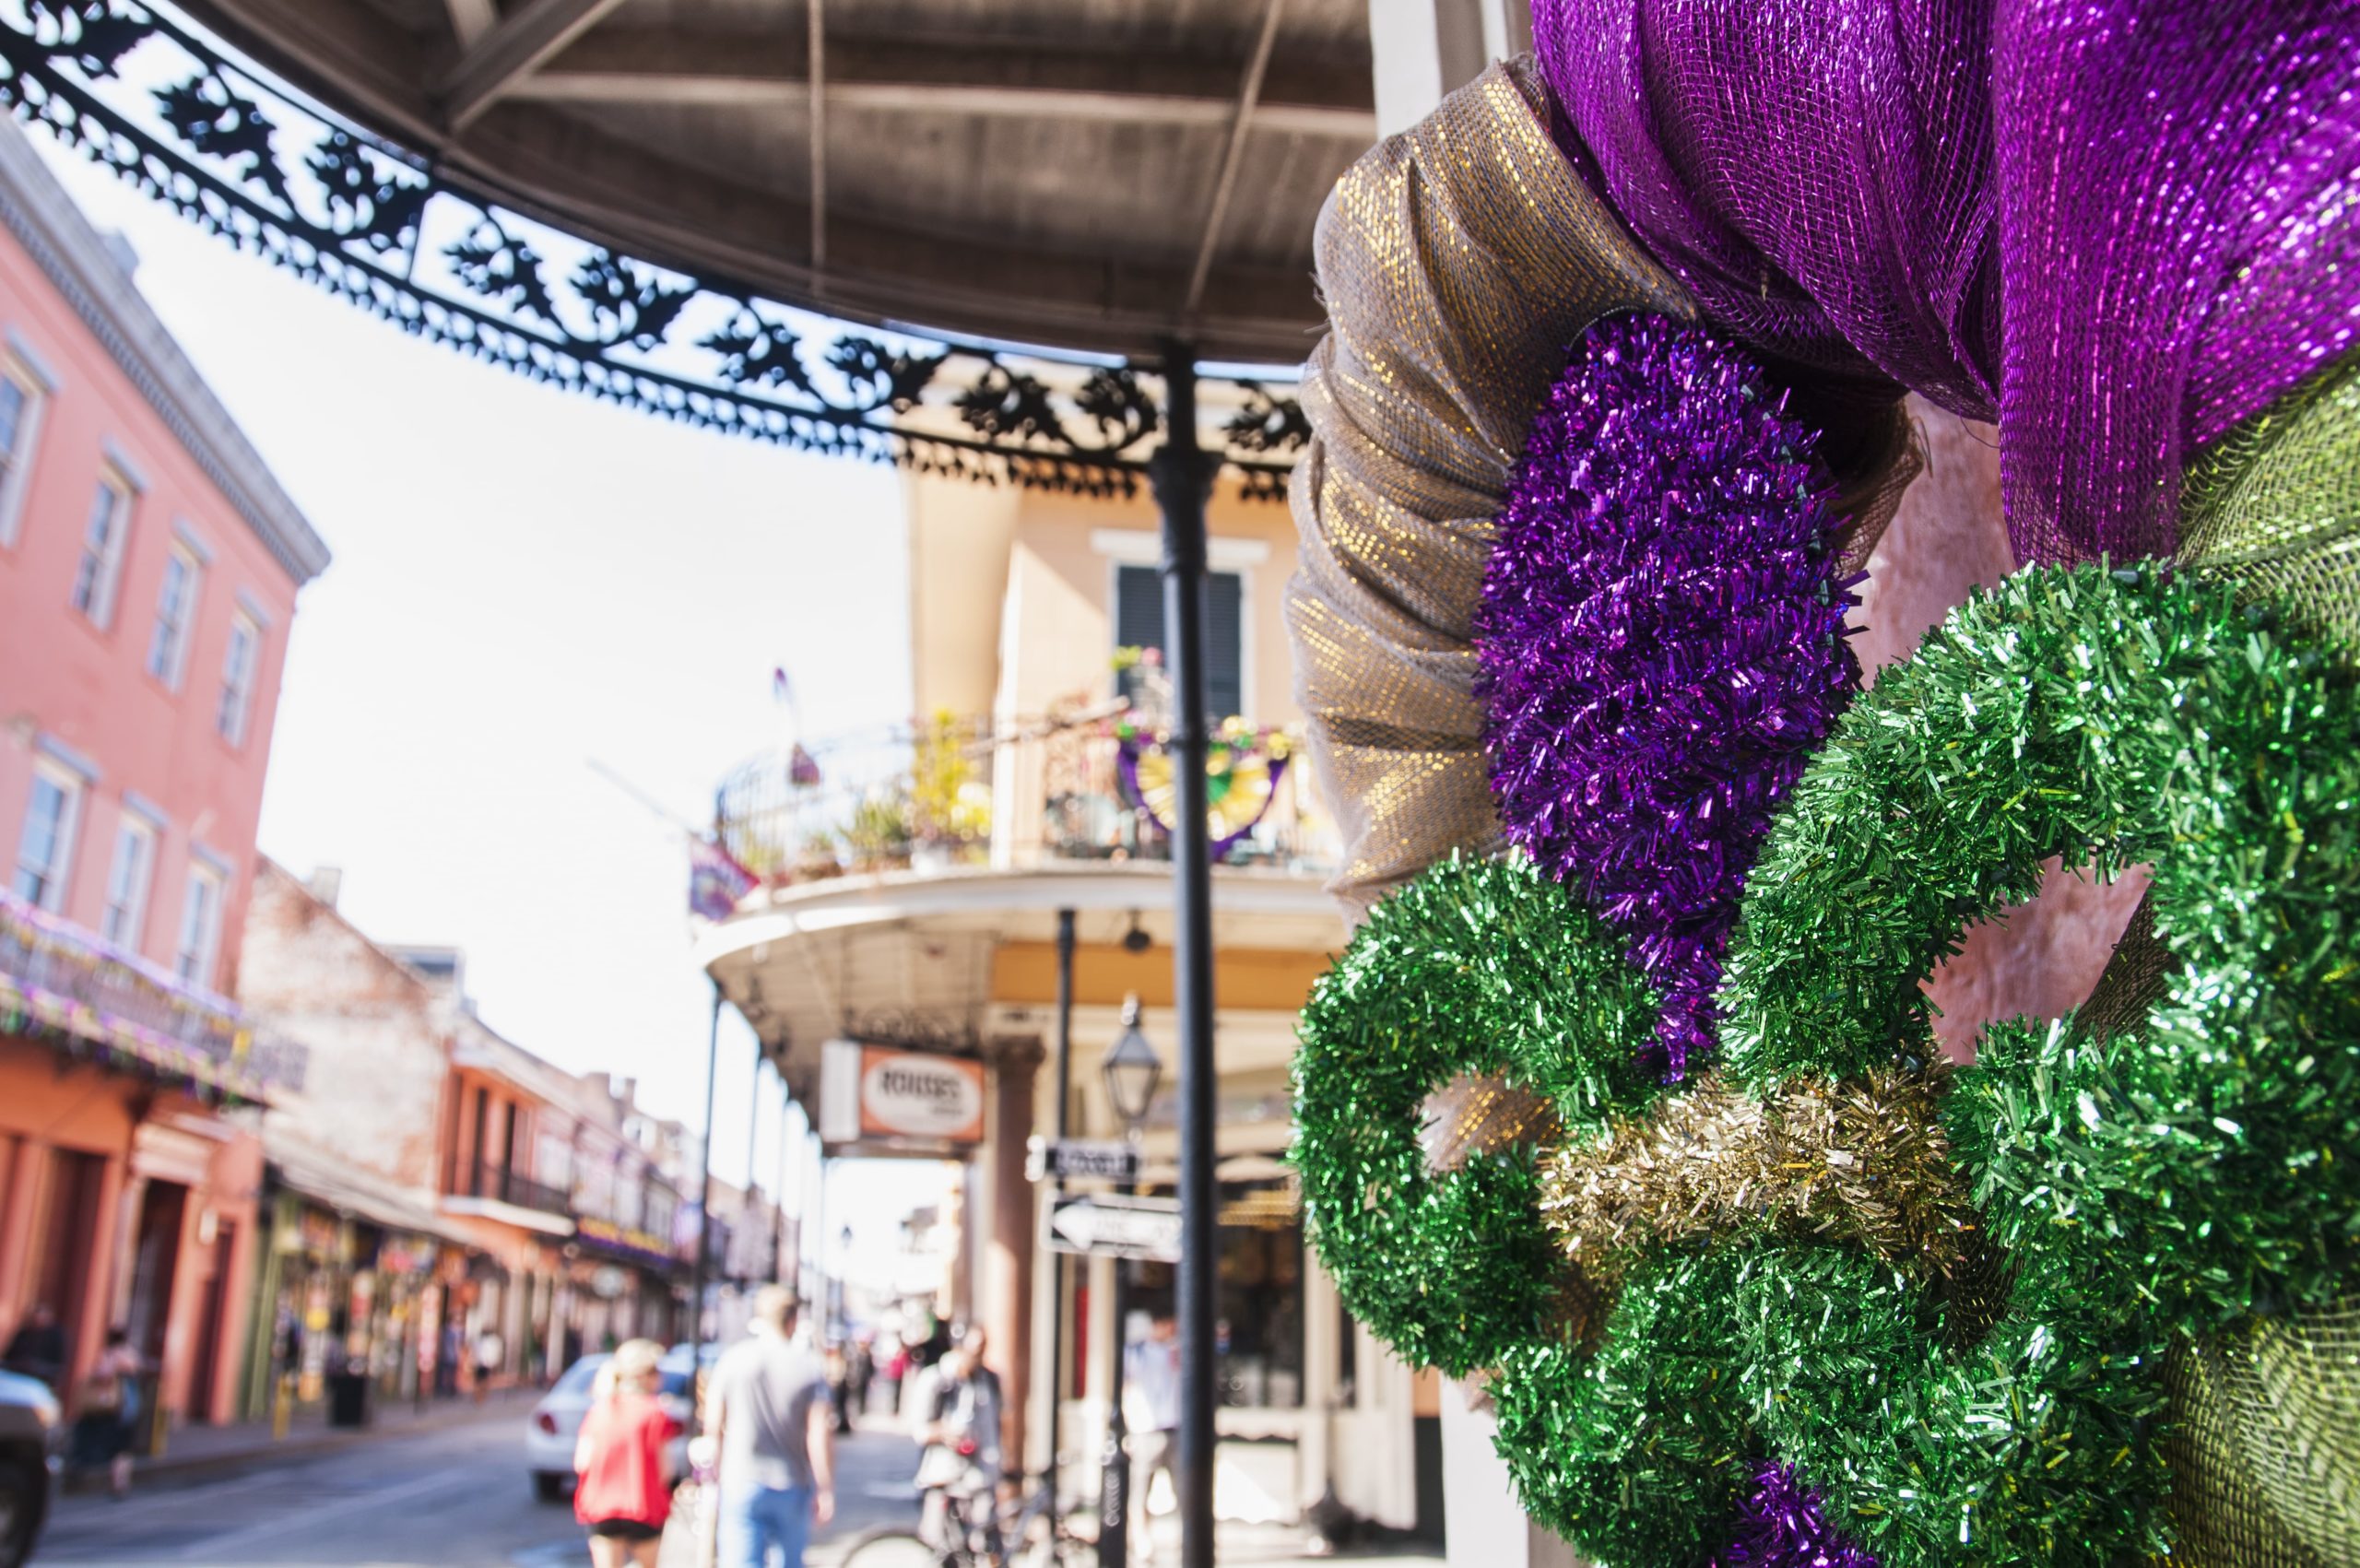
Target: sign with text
1083,1159
1100,1226
874,1097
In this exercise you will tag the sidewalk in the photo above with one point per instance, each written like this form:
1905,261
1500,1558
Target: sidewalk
195,1451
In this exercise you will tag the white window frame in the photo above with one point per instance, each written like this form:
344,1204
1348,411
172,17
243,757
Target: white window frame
124,920
58,875
169,665
234,714
96,598
16,463
194,951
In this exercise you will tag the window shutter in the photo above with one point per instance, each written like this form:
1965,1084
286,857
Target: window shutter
1138,623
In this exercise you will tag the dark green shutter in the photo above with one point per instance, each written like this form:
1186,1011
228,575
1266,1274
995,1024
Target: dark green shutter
1138,623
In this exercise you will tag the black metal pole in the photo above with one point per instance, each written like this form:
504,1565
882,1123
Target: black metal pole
1114,1471
1182,477
1057,1259
704,1209
753,1146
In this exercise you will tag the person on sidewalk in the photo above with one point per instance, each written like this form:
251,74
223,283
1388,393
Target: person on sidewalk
1151,1410
955,1408
624,1494
108,1413
36,1349
491,1354
774,1431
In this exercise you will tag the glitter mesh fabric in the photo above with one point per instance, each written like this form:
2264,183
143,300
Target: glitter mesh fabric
1458,261
2160,190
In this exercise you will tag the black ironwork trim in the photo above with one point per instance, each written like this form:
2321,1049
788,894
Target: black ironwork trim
250,160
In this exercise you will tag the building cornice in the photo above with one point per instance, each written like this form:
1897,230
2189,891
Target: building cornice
76,258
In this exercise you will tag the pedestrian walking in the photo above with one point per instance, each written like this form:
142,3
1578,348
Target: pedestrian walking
772,1428
491,1354
1151,1410
108,1413
623,1493
36,1349
956,1410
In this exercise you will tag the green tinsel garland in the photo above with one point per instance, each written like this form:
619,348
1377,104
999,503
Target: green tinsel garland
2164,1182
1477,967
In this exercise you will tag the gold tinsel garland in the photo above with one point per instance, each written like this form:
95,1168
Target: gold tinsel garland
1863,1161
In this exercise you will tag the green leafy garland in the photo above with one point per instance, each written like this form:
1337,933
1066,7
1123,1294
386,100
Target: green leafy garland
1475,968
2175,1180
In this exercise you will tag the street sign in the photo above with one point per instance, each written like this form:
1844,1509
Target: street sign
1105,1160
1100,1226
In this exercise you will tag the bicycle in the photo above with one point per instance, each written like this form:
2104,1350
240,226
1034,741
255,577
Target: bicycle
1031,1532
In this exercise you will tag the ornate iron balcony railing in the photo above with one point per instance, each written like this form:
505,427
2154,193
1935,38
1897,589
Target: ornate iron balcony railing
250,158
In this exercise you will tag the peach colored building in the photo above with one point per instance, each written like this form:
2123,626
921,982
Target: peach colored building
148,568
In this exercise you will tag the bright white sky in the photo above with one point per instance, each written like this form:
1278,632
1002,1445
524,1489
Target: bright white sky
527,579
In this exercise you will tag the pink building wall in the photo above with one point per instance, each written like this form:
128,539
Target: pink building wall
86,688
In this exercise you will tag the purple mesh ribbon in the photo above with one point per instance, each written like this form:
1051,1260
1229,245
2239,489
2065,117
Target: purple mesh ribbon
1662,643
2120,227
1780,1525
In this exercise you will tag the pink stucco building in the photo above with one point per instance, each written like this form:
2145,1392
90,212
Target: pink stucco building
149,571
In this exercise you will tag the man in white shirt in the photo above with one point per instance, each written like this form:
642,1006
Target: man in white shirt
1151,1410
777,1439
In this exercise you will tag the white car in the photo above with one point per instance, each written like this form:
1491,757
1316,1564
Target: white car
556,1424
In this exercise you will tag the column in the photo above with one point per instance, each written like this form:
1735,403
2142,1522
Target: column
1007,1259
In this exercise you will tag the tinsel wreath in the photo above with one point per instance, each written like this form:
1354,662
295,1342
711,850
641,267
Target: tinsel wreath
1477,967
2209,1163
1662,641
1815,1402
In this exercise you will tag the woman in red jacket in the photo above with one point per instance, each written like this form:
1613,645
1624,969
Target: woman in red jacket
624,1495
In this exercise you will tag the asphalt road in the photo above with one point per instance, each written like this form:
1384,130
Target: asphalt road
457,1498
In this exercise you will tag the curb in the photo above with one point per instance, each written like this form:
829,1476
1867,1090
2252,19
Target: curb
171,1469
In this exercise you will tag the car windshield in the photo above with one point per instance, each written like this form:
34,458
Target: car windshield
580,1375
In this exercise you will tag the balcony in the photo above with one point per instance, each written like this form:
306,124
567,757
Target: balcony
1080,787
495,1192
63,982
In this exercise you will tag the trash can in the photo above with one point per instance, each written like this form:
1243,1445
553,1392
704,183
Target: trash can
348,1398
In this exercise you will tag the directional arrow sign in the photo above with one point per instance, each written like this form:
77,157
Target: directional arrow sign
1117,1227
1105,1160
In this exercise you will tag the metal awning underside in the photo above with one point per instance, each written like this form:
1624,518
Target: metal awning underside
1094,174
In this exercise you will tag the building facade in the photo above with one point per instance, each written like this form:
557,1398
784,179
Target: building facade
451,1210
1034,787
149,571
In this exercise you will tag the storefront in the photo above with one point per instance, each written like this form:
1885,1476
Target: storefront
350,1282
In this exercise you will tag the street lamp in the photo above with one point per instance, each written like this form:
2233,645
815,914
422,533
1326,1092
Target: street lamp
1131,1069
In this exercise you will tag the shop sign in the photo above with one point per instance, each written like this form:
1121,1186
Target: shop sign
872,1096
619,1238
1083,1159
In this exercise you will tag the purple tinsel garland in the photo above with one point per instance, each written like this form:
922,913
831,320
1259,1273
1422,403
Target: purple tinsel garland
1662,643
1779,1525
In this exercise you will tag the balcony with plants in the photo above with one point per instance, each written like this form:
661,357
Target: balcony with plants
1084,782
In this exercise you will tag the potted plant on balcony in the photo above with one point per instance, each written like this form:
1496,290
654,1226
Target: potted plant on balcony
951,808
878,837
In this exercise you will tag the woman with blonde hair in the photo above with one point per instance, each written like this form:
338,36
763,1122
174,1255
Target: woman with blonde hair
624,1494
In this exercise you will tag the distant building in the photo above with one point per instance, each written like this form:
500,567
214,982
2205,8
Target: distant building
149,571
438,1185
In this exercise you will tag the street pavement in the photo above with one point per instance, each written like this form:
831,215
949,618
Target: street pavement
458,1497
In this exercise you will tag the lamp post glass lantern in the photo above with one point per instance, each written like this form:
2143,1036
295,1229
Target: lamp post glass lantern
1132,1070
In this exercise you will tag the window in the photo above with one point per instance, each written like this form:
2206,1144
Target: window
102,565
200,927
1138,623
175,612
238,680
20,406
126,922
46,848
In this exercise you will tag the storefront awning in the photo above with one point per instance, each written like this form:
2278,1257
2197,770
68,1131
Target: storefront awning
348,1190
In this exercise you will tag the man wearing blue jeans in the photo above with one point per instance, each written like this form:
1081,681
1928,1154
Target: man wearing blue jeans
777,1440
